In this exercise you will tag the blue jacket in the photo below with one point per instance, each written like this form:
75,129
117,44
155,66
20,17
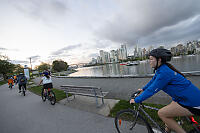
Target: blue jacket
174,84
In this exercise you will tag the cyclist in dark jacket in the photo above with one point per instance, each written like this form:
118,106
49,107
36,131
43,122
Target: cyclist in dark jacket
22,81
185,96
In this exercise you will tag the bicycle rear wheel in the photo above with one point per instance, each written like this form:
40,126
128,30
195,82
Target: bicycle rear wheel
10,85
23,90
52,97
125,122
43,95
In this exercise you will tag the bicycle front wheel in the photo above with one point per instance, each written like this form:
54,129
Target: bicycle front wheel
126,122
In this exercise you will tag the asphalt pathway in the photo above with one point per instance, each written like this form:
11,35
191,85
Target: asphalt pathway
29,114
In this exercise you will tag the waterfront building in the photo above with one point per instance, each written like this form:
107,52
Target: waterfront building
99,60
124,52
94,61
103,57
113,56
180,49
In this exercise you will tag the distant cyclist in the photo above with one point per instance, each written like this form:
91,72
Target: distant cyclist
15,79
22,81
46,81
185,96
10,82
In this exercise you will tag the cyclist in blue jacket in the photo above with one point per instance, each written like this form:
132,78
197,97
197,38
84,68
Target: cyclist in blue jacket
185,96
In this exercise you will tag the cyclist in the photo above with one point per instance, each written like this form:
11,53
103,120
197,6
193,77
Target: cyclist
185,96
15,79
10,81
46,80
22,81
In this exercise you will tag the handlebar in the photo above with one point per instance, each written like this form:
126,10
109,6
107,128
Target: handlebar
135,94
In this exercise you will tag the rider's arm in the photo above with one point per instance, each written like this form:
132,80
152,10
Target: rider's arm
161,81
40,81
149,83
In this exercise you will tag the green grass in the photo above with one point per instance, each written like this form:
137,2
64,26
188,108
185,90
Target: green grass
3,82
123,104
60,94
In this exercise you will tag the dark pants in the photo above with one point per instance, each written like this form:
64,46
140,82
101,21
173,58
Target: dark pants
47,86
20,86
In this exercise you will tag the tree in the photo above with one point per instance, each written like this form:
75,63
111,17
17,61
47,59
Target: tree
18,69
59,65
43,66
6,67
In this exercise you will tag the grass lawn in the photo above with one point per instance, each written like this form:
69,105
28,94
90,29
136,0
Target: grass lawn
123,104
3,82
60,94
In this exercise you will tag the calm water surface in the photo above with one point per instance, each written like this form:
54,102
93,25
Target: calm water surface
182,63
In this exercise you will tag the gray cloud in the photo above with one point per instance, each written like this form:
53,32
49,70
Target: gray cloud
42,10
66,49
138,20
19,62
93,55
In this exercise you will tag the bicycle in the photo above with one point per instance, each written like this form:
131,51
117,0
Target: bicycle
10,85
136,120
48,94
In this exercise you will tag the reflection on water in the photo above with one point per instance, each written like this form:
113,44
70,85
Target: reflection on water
182,63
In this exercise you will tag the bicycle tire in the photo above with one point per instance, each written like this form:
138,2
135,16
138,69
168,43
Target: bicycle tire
23,90
124,122
52,97
194,131
43,95
10,86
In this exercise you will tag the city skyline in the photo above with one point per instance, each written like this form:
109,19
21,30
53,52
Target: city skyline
75,31
121,53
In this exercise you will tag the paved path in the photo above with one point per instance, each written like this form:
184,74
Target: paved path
19,114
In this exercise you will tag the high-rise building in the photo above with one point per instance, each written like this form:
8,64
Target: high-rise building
123,52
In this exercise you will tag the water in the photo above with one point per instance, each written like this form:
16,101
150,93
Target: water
182,63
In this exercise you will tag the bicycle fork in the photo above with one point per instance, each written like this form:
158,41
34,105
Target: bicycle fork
135,121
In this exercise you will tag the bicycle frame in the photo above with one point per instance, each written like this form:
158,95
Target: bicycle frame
140,109
47,91
191,119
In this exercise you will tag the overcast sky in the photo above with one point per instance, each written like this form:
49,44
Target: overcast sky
75,30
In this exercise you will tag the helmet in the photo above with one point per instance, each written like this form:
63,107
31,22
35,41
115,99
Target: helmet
162,53
45,73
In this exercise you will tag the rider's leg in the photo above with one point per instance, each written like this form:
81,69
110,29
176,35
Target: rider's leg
20,88
167,129
24,86
170,111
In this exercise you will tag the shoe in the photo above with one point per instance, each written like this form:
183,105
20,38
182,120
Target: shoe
20,91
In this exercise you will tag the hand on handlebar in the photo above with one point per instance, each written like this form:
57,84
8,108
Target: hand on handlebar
134,95
141,90
132,101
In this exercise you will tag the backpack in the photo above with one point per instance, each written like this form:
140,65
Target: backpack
23,79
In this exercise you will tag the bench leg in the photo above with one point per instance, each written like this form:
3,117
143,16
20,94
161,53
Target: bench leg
102,100
97,102
98,106
67,94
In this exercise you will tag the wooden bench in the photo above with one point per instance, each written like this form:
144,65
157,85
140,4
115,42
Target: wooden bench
90,91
